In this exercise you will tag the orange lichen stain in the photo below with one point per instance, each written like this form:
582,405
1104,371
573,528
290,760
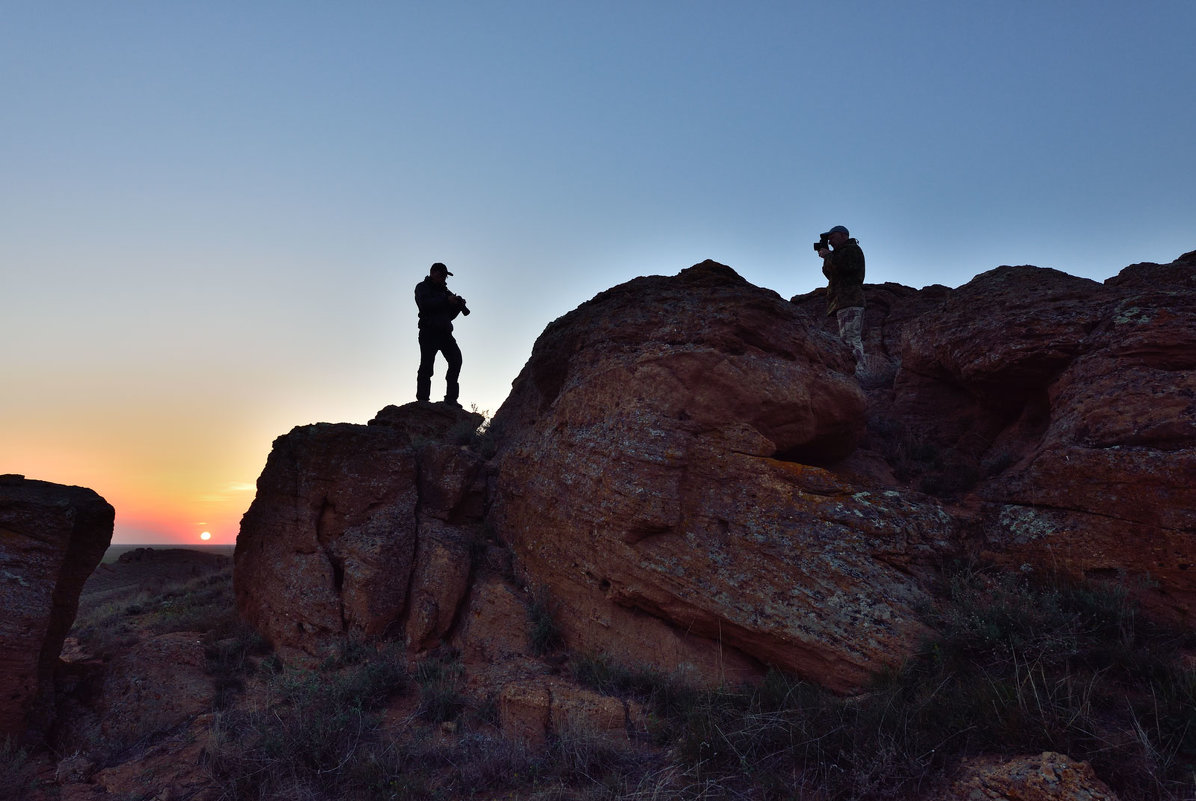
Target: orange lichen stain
808,473
793,467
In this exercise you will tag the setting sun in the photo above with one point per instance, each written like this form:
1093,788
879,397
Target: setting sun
206,535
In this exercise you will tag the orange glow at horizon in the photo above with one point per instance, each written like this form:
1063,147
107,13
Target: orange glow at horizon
149,509
162,495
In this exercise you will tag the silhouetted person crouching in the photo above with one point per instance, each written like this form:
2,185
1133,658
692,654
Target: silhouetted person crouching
437,309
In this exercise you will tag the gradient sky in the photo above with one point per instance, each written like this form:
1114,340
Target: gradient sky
212,214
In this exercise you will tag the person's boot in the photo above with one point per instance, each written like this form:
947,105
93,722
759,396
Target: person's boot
451,390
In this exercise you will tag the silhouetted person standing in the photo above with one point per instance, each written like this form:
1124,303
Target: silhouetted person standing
843,266
437,309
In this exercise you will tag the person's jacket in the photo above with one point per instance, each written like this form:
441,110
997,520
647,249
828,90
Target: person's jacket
437,309
844,270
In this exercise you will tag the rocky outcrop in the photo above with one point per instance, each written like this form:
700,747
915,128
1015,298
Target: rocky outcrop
1109,489
51,539
534,709
664,474
1057,414
698,477
362,530
1046,777
1054,414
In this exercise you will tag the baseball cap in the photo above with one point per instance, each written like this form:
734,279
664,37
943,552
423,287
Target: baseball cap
838,229
439,268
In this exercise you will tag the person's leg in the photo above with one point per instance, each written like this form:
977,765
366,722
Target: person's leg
453,354
427,359
851,330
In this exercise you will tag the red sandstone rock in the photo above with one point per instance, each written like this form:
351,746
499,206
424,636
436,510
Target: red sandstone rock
637,484
1110,487
681,468
1060,412
1047,777
493,627
440,581
338,532
1008,331
51,539
327,545
532,710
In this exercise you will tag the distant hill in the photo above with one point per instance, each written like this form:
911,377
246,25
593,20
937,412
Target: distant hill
128,569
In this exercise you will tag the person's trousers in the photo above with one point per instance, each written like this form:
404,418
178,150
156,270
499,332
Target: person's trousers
851,330
431,343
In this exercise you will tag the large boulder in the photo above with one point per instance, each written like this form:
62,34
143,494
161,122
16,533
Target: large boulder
1109,489
349,535
970,389
1055,413
663,477
51,539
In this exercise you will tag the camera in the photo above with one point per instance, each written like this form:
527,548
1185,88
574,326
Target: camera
461,305
822,244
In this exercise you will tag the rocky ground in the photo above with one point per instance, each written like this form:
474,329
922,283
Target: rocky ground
209,712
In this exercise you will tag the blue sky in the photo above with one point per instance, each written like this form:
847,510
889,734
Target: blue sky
212,214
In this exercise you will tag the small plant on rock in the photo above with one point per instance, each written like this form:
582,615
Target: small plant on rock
545,634
439,680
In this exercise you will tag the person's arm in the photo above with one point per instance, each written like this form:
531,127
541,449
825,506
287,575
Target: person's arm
828,263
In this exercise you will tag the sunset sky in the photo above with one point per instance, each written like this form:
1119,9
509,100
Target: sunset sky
212,214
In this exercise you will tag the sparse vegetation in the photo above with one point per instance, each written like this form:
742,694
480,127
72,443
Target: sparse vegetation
668,699
935,469
1022,663
18,775
317,734
1022,667
545,634
204,604
439,679
484,440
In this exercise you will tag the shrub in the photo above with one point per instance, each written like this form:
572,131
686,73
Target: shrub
439,679
230,659
545,634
